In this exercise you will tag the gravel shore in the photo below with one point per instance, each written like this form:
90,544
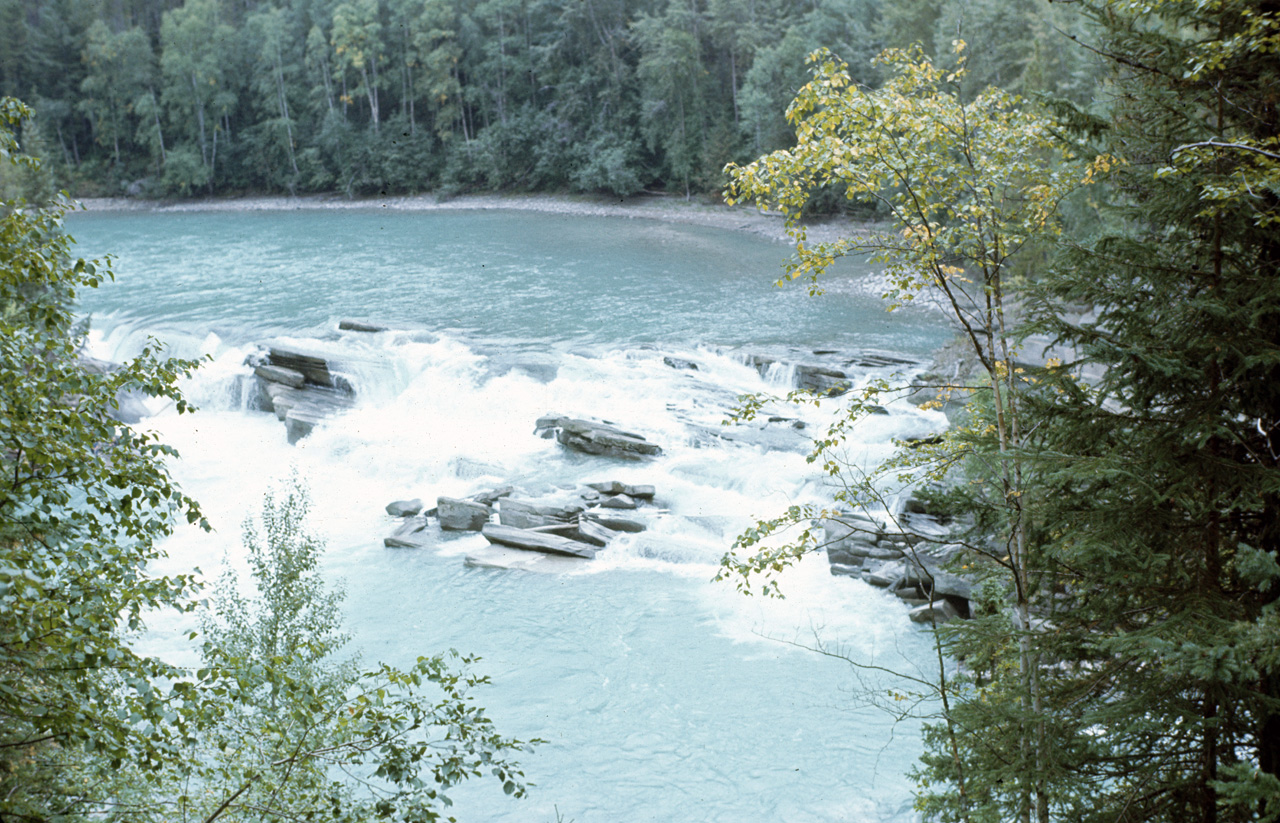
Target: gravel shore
667,209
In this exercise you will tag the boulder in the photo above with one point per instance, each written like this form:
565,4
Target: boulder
596,438
887,576
927,572
822,380
536,541
130,405
608,487
618,501
462,515
404,508
279,374
640,492
680,363
939,611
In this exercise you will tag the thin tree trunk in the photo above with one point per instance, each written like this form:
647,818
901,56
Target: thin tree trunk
204,151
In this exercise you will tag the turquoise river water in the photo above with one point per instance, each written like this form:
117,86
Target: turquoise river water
663,696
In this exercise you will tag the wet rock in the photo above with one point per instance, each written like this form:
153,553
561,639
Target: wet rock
843,570
462,515
524,514
404,508
411,534
680,363
939,611
640,492
355,325
887,576
504,557
618,501
596,438
617,524
279,374
299,422
130,406
822,380
488,498
315,370
536,541
589,531
927,572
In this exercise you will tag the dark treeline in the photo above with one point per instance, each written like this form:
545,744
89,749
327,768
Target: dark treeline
158,97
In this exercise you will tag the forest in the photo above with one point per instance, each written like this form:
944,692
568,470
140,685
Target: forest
158,98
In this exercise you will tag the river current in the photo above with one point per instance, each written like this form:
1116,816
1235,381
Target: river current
663,696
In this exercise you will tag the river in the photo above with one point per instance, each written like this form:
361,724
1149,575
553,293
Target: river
663,696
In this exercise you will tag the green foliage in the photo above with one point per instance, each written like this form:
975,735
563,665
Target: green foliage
1122,662
297,730
274,725
668,91
84,501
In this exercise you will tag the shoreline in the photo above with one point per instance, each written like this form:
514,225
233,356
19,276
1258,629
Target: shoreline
645,207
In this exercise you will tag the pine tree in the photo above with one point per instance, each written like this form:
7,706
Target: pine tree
1160,521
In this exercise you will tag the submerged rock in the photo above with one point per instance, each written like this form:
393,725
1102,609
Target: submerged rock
617,524
505,557
356,325
536,541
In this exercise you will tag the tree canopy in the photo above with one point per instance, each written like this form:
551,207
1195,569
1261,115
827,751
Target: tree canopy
1121,663
373,96
92,729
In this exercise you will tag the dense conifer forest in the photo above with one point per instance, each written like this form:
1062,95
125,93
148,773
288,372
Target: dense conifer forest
362,97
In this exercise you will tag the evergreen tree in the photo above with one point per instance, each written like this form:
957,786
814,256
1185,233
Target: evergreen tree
1164,525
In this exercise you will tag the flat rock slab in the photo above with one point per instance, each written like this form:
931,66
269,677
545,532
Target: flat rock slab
313,369
411,534
589,531
356,325
503,557
617,524
595,437
536,541
279,374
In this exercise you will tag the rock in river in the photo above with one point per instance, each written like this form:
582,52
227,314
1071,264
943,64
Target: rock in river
462,515
536,541
595,437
